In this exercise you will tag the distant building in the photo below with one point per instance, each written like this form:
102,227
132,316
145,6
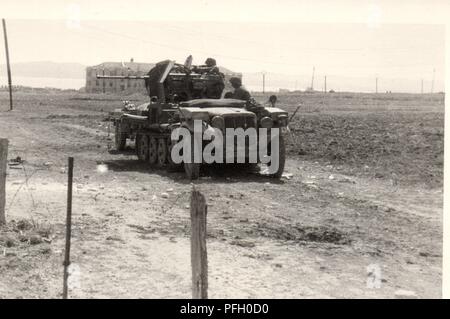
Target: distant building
94,85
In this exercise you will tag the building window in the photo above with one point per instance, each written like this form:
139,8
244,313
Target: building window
97,83
110,84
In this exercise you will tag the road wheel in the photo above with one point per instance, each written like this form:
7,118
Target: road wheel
171,166
152,150
162,151
120,139
142,147
281,157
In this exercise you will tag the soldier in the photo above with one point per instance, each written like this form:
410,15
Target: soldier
273,100
210,62
210,66
239,92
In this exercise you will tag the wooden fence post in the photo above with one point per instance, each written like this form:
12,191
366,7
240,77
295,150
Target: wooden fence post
8,67
68,229
199,260
3,160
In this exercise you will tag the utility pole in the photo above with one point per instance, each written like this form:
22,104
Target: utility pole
3,167
376,85
312,80
421,86
264,82
325,84
7,65
432,82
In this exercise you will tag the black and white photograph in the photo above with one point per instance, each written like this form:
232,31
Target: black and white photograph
223,150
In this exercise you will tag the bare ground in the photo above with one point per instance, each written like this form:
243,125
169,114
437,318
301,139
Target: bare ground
311,235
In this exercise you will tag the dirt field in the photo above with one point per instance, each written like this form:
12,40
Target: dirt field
362,194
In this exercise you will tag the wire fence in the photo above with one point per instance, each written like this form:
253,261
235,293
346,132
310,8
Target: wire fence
24,185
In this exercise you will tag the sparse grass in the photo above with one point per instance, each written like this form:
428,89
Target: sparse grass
43,229
393,136
24,231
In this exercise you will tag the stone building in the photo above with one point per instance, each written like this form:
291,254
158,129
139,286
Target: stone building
94,85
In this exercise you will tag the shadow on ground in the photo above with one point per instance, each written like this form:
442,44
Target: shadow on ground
213,173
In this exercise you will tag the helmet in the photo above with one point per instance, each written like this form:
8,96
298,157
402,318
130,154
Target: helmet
210,62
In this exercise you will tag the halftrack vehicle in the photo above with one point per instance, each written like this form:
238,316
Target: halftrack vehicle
179,95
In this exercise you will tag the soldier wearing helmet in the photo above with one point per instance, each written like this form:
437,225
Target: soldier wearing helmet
210,66
210,62
239,92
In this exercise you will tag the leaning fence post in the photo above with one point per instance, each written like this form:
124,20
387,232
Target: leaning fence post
68,228
199,260
3,160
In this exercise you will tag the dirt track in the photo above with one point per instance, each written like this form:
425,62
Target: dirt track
312,235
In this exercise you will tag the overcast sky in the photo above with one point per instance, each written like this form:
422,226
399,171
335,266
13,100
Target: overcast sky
271,39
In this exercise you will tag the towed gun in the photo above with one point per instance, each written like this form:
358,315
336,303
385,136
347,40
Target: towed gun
159,83
170,82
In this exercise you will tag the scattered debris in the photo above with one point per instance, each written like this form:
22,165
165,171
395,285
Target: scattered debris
24,224
346,180
287,175
114,238
35,240
8,242
45,250
300,233
243,243
426,254
16,161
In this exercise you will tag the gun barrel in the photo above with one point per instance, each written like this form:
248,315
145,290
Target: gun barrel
138,77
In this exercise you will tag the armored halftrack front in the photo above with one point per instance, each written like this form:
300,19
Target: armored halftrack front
179,95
